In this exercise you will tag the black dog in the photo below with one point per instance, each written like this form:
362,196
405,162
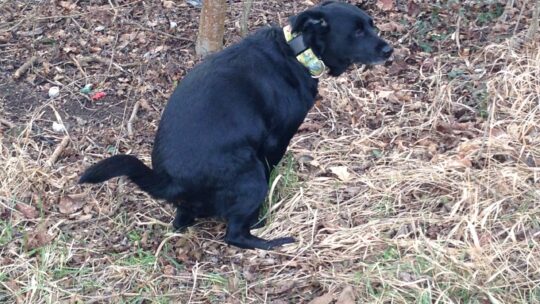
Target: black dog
229,121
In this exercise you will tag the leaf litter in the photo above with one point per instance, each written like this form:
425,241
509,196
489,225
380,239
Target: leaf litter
412,181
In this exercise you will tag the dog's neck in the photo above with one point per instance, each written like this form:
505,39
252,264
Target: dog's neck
304,54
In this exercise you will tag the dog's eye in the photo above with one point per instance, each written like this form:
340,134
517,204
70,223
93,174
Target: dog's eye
359,31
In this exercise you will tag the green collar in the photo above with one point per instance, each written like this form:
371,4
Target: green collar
305,55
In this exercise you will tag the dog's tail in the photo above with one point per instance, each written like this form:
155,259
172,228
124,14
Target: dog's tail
157,185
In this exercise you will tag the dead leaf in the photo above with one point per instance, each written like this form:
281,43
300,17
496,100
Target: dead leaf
324,299
15,290
68,5
389,95
385,5
144,105
467,148
413,9
341,172
391,26
169,270
69,204
126,39
39,237
407,276
280,288
347,296
28,211
309,127
459,163
514,131
168,4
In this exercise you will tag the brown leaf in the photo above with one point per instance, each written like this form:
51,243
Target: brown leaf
347,296
391,26
144,105
309,127
168,4
69,204
324,299
280,288
459,163
15,289
169,270
28,211
38,238
413,9
385,5
68,5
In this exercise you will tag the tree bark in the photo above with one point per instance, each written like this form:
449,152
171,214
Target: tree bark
245,17
534,21
211,27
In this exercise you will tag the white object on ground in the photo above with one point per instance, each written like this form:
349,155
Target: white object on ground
54,92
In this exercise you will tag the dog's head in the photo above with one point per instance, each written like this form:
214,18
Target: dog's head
341,34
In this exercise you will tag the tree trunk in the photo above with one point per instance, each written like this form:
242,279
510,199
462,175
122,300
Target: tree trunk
245,17
211,27
534,21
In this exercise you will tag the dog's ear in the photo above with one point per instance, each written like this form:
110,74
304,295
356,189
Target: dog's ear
312,25
328,2
309,22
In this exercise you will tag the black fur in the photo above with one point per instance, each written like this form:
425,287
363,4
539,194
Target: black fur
229,121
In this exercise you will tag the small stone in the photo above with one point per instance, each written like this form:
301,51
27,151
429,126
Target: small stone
54,92
58,127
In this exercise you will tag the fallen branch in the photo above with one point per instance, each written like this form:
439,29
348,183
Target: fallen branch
132,119
63,144
20,71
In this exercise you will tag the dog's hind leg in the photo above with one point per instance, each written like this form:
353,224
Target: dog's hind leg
256,221
249,196
183,218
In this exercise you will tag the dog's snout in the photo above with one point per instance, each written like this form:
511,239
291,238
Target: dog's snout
387,51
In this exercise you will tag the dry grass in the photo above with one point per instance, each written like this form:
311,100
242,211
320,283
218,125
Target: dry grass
386,192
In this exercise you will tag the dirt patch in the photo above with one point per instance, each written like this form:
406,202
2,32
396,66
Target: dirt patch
20,101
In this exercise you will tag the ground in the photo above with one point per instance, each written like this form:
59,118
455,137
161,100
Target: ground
414,182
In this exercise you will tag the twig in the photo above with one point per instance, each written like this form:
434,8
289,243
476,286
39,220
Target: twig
7,123
519,18
458,23
132,118
158,251
20,71
59,149
79,66
114,10
507,8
